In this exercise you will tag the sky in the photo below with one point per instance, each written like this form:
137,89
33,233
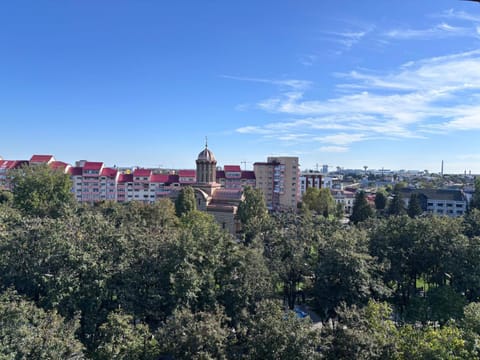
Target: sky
383,84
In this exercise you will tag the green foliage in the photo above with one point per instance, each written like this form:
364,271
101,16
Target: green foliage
432,343
396,206
365,333
475,202
319,200
119,338
361,208
346,272
380,200
472,223
275,334
200,335
119,272
414,206
439,304
253,205
471,320
41,191
252,213
6,197
185,201
28,332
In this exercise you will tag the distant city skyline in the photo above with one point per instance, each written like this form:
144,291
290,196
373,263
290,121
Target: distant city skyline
381,84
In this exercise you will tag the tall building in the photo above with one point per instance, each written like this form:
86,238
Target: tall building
279,180
310,179
232,177
211,197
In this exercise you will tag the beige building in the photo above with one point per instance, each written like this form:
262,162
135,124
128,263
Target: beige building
279,180
211,197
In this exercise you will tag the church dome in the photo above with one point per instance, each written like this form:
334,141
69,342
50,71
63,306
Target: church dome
207,155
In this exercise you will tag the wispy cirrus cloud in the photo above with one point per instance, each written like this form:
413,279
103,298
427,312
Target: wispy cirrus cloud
333,149
433,95
348,38
441,30
459,15
290,83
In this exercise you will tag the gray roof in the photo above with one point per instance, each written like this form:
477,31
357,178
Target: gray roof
435,194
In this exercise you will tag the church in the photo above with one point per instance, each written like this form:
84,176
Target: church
211,197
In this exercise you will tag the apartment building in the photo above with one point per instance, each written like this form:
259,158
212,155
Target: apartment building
279,179
310,179
447,202
232,177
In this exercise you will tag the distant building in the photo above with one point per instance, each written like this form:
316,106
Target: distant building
310,179
438,201
5,167
346,198
211,197
279,180
232,177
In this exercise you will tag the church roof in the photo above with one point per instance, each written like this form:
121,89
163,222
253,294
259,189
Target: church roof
207,155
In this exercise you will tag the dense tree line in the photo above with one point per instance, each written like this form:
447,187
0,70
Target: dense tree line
142,281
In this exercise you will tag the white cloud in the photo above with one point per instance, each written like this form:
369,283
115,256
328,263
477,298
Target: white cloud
291,83
459,15
341,138
334,149
419,98
441,30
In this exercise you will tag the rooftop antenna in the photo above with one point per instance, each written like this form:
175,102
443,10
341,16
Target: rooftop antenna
244,164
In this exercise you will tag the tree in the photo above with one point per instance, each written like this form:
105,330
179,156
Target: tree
185,201
6,197
252,212
319,200
431,342
39,190
362,333
361,208
289,252
414,206
346,272
190,335
397,206
380,200
253,205
28,332
120,338
271,333
475,202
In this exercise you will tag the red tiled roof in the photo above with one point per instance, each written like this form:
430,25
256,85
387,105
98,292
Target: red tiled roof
228,194
124,178
41,158
75,171
110,172
11,164
220,174
187,173
159,178
232,168
90,165
59,165
142,172
248,175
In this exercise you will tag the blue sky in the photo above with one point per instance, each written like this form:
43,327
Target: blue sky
392,84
